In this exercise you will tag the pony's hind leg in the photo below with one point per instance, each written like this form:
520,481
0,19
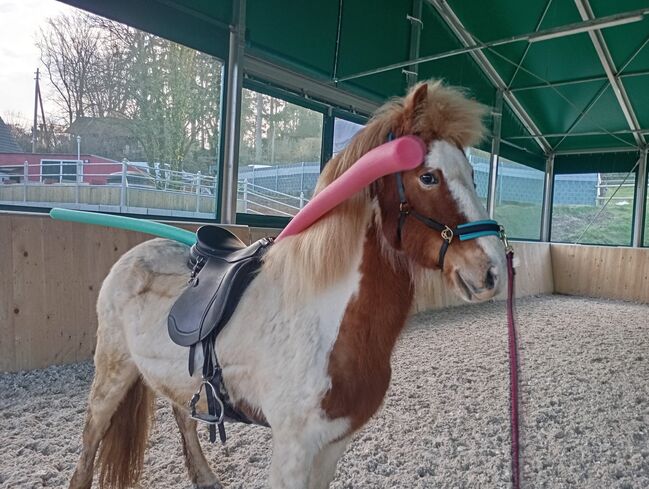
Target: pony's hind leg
199,470
116,389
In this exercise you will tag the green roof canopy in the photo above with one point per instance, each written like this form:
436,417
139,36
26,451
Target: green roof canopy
572,93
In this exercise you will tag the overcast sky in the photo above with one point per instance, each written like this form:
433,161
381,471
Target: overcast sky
20,20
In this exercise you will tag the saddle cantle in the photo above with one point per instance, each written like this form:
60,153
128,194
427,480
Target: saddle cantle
222,268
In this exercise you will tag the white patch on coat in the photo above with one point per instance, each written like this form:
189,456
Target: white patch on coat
274,360
455,167
279,361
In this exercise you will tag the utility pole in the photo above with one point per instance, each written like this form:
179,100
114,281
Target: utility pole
35,126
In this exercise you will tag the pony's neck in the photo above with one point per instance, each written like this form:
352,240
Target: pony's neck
385,295
359,363
307,264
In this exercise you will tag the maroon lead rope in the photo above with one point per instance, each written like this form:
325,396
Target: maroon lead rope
513,372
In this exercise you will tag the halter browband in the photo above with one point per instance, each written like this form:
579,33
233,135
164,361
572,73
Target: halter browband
465,232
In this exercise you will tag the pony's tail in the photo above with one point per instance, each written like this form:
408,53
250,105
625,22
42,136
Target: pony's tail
121,454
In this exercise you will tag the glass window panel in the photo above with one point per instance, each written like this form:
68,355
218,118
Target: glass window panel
143,112
69,171
593,208
279,155
50,171
519,199
344,131
480,163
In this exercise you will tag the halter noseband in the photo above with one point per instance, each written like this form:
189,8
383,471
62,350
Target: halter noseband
465,232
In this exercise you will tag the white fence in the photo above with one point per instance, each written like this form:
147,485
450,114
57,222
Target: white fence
96,186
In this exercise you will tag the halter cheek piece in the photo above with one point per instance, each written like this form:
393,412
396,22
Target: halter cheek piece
465,232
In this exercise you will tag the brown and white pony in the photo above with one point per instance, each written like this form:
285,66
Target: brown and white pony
308,348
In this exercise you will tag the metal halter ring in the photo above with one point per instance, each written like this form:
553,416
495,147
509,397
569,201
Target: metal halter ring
447,234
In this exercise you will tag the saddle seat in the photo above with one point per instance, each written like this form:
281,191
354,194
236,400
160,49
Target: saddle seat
222,268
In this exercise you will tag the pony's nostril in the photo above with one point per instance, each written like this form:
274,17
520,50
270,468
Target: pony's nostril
490,279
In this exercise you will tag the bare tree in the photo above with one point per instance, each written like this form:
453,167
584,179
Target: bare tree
68,48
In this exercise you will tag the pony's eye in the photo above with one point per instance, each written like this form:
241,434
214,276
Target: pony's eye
428,179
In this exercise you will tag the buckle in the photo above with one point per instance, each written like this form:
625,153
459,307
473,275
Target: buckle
404,207
447,234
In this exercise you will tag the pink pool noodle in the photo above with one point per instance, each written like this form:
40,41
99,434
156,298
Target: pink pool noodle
401,154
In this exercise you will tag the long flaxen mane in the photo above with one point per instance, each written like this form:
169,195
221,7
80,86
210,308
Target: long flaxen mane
319,256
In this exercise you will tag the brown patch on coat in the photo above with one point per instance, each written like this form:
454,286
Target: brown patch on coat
359,363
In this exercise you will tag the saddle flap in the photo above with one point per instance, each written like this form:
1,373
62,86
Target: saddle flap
208,302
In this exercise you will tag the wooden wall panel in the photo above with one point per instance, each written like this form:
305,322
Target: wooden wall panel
28,290
7,333
50,275
51,272
599,271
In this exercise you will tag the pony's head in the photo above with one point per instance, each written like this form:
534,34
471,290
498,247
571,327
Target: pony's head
439,191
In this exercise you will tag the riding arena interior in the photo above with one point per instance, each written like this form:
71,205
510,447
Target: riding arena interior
344,244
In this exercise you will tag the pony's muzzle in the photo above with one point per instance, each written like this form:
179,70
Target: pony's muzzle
478,287
491,279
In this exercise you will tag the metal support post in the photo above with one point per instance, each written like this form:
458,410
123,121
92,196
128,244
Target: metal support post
25,179
245,195
79,173
495,154
640,200
232,121
122,194
416,24
198,191
548,191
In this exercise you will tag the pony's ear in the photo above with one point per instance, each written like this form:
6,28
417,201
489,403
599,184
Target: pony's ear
415,102
419,97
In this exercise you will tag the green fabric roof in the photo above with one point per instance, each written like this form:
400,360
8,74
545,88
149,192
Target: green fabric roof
328,39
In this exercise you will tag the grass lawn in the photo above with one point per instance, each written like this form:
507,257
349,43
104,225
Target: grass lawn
521,221
612,227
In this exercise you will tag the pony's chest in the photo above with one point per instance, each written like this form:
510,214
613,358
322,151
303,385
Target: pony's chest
358,386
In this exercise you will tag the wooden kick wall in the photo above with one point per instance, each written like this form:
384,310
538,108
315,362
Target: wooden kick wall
601,271
51,272
50,275
533,276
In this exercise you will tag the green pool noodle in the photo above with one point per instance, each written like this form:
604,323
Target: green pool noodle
141,225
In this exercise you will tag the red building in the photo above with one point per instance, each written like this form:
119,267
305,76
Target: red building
60,168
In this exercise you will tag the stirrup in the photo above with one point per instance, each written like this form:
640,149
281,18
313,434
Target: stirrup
207,418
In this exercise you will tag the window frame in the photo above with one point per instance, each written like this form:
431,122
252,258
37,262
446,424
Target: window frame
78,174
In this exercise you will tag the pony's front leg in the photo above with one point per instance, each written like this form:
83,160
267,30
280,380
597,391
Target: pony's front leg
324,465
305,452
293,457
